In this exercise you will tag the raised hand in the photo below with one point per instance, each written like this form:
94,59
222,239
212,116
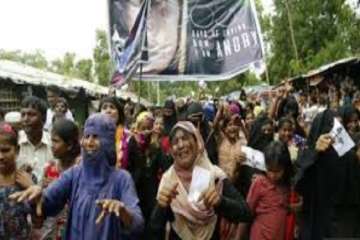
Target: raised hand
323,143
112,206
166,195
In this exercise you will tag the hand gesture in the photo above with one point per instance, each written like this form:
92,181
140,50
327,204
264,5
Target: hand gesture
33,193
112,206
211,198
323,143
240,157
24,179
166,195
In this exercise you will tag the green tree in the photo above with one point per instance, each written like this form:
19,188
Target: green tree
324,31
84,69
102,58
36,59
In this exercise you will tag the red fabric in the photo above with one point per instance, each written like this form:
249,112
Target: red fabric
268,203
290,218
165,144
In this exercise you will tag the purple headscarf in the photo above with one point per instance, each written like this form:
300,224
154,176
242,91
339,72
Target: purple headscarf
98,166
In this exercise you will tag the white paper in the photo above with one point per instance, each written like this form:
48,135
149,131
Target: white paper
200,182
254,158
342,140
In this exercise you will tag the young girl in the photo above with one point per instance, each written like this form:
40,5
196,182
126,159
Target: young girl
13,217
268,194
286,134
66,148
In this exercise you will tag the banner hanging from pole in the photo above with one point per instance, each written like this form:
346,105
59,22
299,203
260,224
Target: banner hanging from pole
189,40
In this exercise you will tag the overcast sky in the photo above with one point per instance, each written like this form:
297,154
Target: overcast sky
55,26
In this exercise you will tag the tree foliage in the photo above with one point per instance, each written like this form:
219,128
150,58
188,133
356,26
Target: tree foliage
324,31
102,58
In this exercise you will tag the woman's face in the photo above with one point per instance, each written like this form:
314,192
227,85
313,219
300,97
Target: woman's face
90,143
232,131
184,149
267,129
158,125
286,132
58,146
353,125
249,119
111,110
8,154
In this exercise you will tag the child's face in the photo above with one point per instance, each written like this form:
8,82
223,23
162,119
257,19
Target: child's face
111,110
8,154
90,143
286,132
60,108
59,147
274,173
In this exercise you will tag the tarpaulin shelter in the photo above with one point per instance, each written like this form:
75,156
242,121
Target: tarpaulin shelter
18,80
333,72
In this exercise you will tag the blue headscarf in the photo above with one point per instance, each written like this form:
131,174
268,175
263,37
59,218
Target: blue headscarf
98,166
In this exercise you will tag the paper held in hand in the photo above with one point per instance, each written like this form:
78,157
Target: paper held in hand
254,158
200,182
342,140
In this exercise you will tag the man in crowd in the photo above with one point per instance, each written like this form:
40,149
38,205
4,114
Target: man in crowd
35,144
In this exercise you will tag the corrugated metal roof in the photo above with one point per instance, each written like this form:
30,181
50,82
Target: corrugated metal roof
23,74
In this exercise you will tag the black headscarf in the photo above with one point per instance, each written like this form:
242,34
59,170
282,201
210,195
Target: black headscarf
317,181
257,139
169,121
206,133
346,113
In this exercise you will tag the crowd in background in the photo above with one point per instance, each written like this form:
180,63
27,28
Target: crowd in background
128,172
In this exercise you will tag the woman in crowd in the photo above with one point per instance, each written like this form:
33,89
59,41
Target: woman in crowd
146,160
13,217
200,217
261,133
102,200
268,194
317,179
347,207
230,154
112,107
195,115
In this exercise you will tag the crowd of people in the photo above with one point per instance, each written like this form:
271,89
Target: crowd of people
247,168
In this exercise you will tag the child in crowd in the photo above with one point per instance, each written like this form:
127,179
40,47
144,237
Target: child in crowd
268,194
61,108
13,216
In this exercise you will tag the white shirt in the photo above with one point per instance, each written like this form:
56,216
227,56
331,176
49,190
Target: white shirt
35,156
50,116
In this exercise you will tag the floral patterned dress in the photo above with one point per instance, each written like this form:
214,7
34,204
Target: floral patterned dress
13,217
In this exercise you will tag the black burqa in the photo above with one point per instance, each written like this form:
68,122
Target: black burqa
169,121
257,140
205,130
317,181
346,222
